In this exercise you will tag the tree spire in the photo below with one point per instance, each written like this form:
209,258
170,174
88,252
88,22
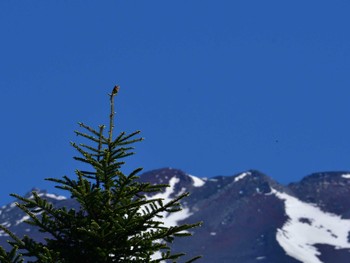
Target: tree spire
111,116
115,220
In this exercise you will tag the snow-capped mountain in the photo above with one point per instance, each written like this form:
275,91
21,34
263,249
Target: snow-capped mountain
247,217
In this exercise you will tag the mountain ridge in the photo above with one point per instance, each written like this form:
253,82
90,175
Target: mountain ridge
248,217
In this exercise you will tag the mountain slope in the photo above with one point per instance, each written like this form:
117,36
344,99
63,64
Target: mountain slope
247,217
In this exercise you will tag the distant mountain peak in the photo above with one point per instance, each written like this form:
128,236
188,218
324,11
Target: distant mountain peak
248,217
326,176
164,175
44,193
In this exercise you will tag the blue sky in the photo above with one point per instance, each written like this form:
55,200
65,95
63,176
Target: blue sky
216,87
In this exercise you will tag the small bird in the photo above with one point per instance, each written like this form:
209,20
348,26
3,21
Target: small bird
115,90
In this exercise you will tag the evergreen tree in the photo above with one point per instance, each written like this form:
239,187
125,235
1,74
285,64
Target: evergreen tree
116,221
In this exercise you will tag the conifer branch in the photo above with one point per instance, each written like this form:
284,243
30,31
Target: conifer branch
99,153
115,221
12,235
93,131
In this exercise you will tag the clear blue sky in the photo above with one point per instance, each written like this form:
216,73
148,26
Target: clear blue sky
217,87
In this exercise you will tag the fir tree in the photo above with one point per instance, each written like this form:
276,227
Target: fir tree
116,221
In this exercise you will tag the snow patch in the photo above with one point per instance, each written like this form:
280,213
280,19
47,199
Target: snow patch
241,176
197,182
307,226
3,233
6,224
213,233
170,219
26,217
57,197
183,190
168,191
157,255
52,196
346,176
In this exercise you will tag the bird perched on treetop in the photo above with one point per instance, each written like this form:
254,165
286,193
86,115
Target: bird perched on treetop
115,90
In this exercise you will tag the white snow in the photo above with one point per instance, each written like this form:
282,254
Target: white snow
197,182
53,196
157,255
347,176
171,219
6,224
241,176
183,190
57,197
3,233
26,217
213,233
168,191
307,226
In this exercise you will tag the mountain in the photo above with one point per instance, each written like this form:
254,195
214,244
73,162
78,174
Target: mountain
248,217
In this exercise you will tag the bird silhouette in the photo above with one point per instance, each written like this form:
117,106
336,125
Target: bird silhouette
115,90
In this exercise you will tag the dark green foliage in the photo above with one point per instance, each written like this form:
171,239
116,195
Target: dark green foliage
116,221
